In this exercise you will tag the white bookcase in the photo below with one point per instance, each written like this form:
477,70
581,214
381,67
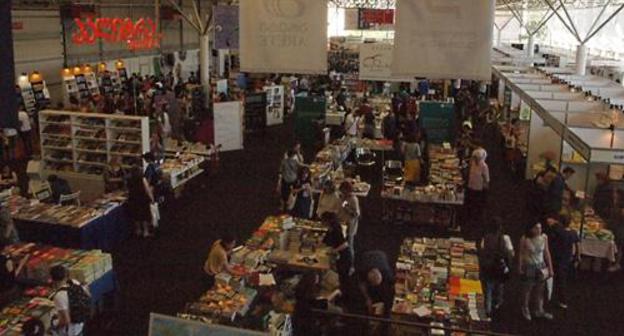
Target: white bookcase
79,146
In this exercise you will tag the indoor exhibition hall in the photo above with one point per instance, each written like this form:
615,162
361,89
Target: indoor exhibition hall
311,167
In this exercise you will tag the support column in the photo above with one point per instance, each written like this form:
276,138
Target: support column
581,59
531,46
8,112
204,63
499,36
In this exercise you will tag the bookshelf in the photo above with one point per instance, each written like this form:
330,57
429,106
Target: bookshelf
79,146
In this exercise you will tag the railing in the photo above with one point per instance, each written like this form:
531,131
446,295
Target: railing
385,326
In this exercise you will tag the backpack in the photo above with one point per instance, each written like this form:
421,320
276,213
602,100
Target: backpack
79,302
494,262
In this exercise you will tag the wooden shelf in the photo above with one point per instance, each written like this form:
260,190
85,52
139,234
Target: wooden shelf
89,163
83,150
58,160
90,139
64,123
126,154
126,142
63,136
126,129
66,149
90,126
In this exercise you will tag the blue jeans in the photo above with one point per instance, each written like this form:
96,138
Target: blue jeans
493,290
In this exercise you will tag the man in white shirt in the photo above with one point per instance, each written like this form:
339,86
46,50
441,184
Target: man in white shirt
25,129
64,325
351,125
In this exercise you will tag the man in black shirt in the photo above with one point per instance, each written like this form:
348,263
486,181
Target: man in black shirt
376,281
59,187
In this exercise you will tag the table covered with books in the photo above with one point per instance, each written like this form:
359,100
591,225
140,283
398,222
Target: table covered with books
437,282
272,261
102,224
596,239
92,268
435,202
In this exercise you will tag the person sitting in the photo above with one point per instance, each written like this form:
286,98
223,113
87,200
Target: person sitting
59,187
218,258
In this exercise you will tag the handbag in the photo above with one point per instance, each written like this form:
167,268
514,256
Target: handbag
292,199
155,214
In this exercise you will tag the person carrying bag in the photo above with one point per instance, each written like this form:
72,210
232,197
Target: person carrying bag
495,254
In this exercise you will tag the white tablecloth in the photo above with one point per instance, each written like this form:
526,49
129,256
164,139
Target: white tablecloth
599,249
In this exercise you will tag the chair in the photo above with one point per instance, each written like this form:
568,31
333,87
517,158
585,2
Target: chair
70,199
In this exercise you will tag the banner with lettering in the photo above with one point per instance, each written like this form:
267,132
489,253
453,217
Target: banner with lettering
376,62
444,39
226,27
286,36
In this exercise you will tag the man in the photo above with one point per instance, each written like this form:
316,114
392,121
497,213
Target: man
288,173
557,187
564,244
25,129
351,124
69,322
341,99
376,282
59,187
218,261
389,125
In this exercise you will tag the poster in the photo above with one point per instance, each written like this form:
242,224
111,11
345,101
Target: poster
275,104
525,111
162,325
444,39
376,62
438,119
228,125
285,36
226,27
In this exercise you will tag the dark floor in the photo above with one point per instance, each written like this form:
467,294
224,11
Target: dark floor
164,274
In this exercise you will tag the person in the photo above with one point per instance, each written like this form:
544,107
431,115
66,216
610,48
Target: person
8,178
289,169
369,125
329,200
605,196
536,196
557,187
302,189
565,252
8,231
389,125
478,183
535,267
67,323
510,134
8,287
335,239
140,198
59,187
152,173
413,156
376,282
349,213
25,130
218,258
114,176
495,255
341,98
298,153
10,134
351,124
304,321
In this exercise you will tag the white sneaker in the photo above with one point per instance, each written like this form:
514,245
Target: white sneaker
526,314
544,315
615,268
563,305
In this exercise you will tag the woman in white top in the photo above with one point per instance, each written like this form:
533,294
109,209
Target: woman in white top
478,183
534,267
349,214
352,124
329,201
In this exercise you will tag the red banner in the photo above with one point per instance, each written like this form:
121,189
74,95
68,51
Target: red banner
373,17
142,34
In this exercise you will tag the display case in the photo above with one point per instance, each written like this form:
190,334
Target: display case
79,146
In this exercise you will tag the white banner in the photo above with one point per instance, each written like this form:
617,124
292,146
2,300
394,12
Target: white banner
228,125
444,39
275,104
287,36
376,62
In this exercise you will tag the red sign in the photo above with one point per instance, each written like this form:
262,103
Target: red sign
372,17
142,34
17,25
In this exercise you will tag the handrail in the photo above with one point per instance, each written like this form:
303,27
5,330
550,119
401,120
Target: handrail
406,323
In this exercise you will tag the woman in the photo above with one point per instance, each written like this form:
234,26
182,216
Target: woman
413,155
369,125
302,189
288,172
140,198
535,267
349,214
478,183
114,176
8,178
340,247
495,255
329,201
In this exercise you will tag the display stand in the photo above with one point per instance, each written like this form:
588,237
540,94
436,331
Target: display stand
275,104
228,125
255,112
438,120
40,91
308,110
79,146
92,82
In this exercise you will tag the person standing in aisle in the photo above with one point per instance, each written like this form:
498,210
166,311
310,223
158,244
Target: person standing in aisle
369,125
329,200
352,124
565,252
288,172
140,198
495,255
413,159
349,213
557,187
25,130
302,189
478,184
535,267
340,248
71,320
389,125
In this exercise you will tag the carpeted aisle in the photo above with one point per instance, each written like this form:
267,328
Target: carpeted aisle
162,275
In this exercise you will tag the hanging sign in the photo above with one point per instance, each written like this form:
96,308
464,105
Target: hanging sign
372,18
226,27
376,62
444,39
142,34
284,36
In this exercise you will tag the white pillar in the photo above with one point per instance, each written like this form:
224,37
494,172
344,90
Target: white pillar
204,64
531,46
499,36
581,59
